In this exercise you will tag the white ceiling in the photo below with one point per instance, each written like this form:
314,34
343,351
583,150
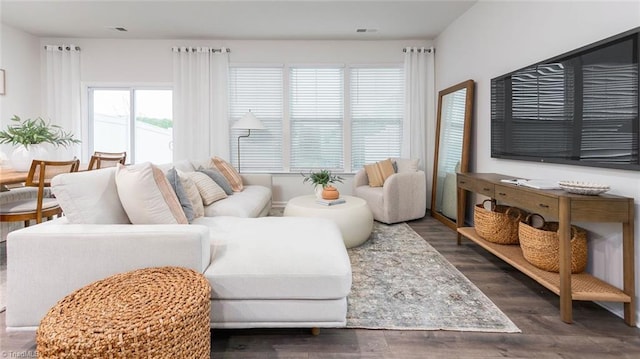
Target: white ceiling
240,19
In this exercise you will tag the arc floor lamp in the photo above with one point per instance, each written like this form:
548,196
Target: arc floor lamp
248,122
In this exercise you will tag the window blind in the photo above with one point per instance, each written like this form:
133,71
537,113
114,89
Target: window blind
316,103
259,89
377,111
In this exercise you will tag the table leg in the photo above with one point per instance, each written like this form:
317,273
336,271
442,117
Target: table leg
628,265
564,232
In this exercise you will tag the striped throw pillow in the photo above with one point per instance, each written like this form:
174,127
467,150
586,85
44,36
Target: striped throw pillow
229,172
379,172
208,188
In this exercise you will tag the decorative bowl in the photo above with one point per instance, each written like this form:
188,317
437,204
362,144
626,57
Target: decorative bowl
587,188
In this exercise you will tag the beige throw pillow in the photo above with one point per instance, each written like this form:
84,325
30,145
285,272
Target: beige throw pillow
209,190
229,172
147,196
386,169
379,172
374,174
193,194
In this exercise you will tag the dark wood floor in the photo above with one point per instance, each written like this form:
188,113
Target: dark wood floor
596,333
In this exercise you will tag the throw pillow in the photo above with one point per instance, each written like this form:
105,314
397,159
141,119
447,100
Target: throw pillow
379,172
208,188
193,193
229,173
386,168
406,165
147,196
89,197
218,178
374,174
183,197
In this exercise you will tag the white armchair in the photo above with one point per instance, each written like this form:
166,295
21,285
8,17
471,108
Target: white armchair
402,197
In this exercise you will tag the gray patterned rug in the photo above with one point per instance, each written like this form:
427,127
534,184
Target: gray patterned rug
401,282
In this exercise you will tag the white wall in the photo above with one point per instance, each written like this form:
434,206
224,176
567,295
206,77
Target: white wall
113,61
493,38
20,58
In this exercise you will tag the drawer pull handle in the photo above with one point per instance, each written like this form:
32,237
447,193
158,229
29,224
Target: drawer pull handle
502,193
486,189
463,182
543,205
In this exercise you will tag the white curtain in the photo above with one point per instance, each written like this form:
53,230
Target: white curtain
63,93
200,103
219,102
419,102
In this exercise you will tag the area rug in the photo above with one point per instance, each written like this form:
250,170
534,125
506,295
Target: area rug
401,282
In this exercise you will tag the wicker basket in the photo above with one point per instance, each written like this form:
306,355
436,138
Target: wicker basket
541,247
500,224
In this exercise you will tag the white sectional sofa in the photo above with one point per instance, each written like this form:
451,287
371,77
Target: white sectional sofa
253,201
264,272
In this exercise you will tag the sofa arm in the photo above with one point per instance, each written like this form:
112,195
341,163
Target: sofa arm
258,179
360,179
48,261
406,194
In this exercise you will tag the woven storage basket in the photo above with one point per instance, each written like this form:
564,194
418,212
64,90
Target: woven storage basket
500,225
147,313
541,246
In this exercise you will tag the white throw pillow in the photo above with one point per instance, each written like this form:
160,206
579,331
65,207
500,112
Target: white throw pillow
209,190
406,165
89,197
147,196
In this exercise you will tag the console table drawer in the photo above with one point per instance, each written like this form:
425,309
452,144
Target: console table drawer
475,185
532,202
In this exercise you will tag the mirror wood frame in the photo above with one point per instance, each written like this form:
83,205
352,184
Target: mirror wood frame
469,85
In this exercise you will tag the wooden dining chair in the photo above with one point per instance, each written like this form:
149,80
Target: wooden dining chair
40,175
106,159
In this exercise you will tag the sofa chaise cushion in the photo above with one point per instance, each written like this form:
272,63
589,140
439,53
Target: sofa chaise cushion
248,266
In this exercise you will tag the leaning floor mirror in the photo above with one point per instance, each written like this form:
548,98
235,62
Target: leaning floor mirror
453,141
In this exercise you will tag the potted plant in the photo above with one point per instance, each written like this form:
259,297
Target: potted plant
321,180
28,137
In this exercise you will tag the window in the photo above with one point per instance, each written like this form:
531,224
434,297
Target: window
377,112
139,121
316,109
308,124
259,89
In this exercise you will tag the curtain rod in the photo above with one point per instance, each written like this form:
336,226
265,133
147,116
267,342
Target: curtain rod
196,49
61,47
414,49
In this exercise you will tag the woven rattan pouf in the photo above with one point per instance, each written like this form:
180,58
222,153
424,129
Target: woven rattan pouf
147,313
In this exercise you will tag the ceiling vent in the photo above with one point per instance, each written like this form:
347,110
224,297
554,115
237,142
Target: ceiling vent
117,28
366,30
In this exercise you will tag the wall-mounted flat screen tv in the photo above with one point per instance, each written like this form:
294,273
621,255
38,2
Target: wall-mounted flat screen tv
579,108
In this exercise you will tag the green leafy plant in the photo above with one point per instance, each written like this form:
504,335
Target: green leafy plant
32,132
322,177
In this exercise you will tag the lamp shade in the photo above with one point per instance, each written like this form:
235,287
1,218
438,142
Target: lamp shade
248,122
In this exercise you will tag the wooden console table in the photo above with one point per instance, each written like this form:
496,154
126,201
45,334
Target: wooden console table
565,207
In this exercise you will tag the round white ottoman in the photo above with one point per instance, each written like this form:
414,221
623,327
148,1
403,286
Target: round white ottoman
354,218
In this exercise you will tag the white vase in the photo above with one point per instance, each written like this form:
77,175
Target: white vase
21,157
318,190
